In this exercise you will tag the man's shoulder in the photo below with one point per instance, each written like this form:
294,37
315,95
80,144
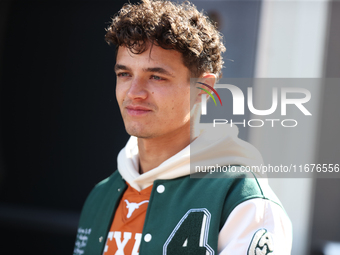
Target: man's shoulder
232,188
246,184
112,184
114,177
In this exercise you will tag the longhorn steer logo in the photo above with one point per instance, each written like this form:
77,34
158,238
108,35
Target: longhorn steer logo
133,206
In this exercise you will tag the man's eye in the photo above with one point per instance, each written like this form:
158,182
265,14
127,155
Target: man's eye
122,74
157,78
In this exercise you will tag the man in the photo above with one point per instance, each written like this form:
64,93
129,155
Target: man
151,205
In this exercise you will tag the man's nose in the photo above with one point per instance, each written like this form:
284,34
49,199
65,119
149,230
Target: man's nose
137,89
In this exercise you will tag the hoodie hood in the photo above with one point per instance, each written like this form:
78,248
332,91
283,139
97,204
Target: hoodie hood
215,145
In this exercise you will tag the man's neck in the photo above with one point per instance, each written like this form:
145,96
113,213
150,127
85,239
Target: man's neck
154,151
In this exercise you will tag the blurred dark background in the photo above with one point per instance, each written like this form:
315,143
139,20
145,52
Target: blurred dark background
60,127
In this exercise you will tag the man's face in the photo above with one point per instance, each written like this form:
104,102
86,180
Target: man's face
153,92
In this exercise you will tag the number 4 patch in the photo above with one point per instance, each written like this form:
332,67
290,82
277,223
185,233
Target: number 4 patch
190,236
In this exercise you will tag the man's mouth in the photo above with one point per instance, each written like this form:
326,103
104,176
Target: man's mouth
135,110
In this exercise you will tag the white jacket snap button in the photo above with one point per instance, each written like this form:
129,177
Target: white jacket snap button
147,238
160,188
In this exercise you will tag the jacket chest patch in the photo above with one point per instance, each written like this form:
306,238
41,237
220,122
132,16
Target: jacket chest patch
190,235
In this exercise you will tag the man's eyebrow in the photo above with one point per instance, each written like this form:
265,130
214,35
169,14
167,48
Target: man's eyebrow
121,67
159,70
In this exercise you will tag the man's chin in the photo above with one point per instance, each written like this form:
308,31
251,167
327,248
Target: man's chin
140,134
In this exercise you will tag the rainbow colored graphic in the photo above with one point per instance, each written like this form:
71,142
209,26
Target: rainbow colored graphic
210,93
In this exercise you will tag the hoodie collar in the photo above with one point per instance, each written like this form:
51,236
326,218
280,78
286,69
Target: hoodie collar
218,145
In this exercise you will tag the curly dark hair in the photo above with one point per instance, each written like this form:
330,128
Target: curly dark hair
171,26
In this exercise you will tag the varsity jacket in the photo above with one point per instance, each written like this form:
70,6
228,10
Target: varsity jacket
234,214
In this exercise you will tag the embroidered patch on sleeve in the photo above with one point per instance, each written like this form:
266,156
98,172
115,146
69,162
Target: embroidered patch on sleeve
261,244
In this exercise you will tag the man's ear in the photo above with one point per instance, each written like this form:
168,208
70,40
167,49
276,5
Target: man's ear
209,79
205,81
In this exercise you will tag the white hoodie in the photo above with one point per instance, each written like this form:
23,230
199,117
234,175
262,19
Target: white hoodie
223,147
